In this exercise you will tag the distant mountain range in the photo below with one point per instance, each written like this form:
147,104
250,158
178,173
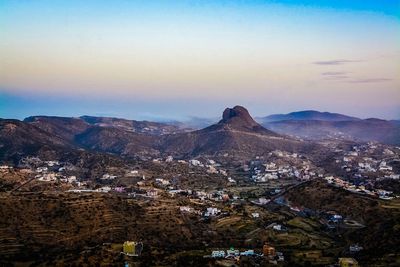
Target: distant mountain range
237,134
316,125
307,115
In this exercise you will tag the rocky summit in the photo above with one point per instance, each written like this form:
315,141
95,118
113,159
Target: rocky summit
239,118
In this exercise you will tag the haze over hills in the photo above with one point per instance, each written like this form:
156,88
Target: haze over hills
316,125
195,123
308,115
324,125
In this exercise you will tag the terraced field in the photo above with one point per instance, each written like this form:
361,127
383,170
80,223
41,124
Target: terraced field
31,223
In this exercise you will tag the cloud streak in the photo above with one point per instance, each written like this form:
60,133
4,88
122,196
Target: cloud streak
335,62
334,73
345,77
370,80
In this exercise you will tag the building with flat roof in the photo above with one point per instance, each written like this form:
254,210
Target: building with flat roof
348,262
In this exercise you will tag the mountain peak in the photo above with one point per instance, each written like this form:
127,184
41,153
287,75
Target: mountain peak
238,114
239,118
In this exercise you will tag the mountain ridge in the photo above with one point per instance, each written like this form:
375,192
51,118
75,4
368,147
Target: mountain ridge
308,115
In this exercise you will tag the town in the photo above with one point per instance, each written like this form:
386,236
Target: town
223,196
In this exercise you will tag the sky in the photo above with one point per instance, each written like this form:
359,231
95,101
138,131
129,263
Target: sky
171,59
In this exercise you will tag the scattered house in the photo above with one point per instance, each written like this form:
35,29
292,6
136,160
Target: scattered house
185,209
47,177
212,162
255,215
336,218
211,212
71,179
51,163
387,151
133,173
104,189
261,201
195,162
218,254
230,180
346,159
41,169
131,248
232,252
383,194
4,167
249,252
162,182
81,191
280,256
119,189
394,176
212,169
223,172
152,193
296,209
277,227
384,167
276,191
348,262
355,248
108,177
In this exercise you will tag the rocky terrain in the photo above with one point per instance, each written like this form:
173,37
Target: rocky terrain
73,190
237,133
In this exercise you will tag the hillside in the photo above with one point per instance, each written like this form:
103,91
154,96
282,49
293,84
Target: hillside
236,134
144,127
379,237
63,127
117,140
18,139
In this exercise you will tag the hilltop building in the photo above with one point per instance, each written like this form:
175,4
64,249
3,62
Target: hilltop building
132,248
348,262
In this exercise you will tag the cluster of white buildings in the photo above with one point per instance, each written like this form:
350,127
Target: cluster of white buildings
232,253
274,171
338,182
212,212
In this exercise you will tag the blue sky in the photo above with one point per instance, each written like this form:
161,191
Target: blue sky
174,59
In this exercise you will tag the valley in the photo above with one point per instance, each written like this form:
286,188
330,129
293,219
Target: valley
73,192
